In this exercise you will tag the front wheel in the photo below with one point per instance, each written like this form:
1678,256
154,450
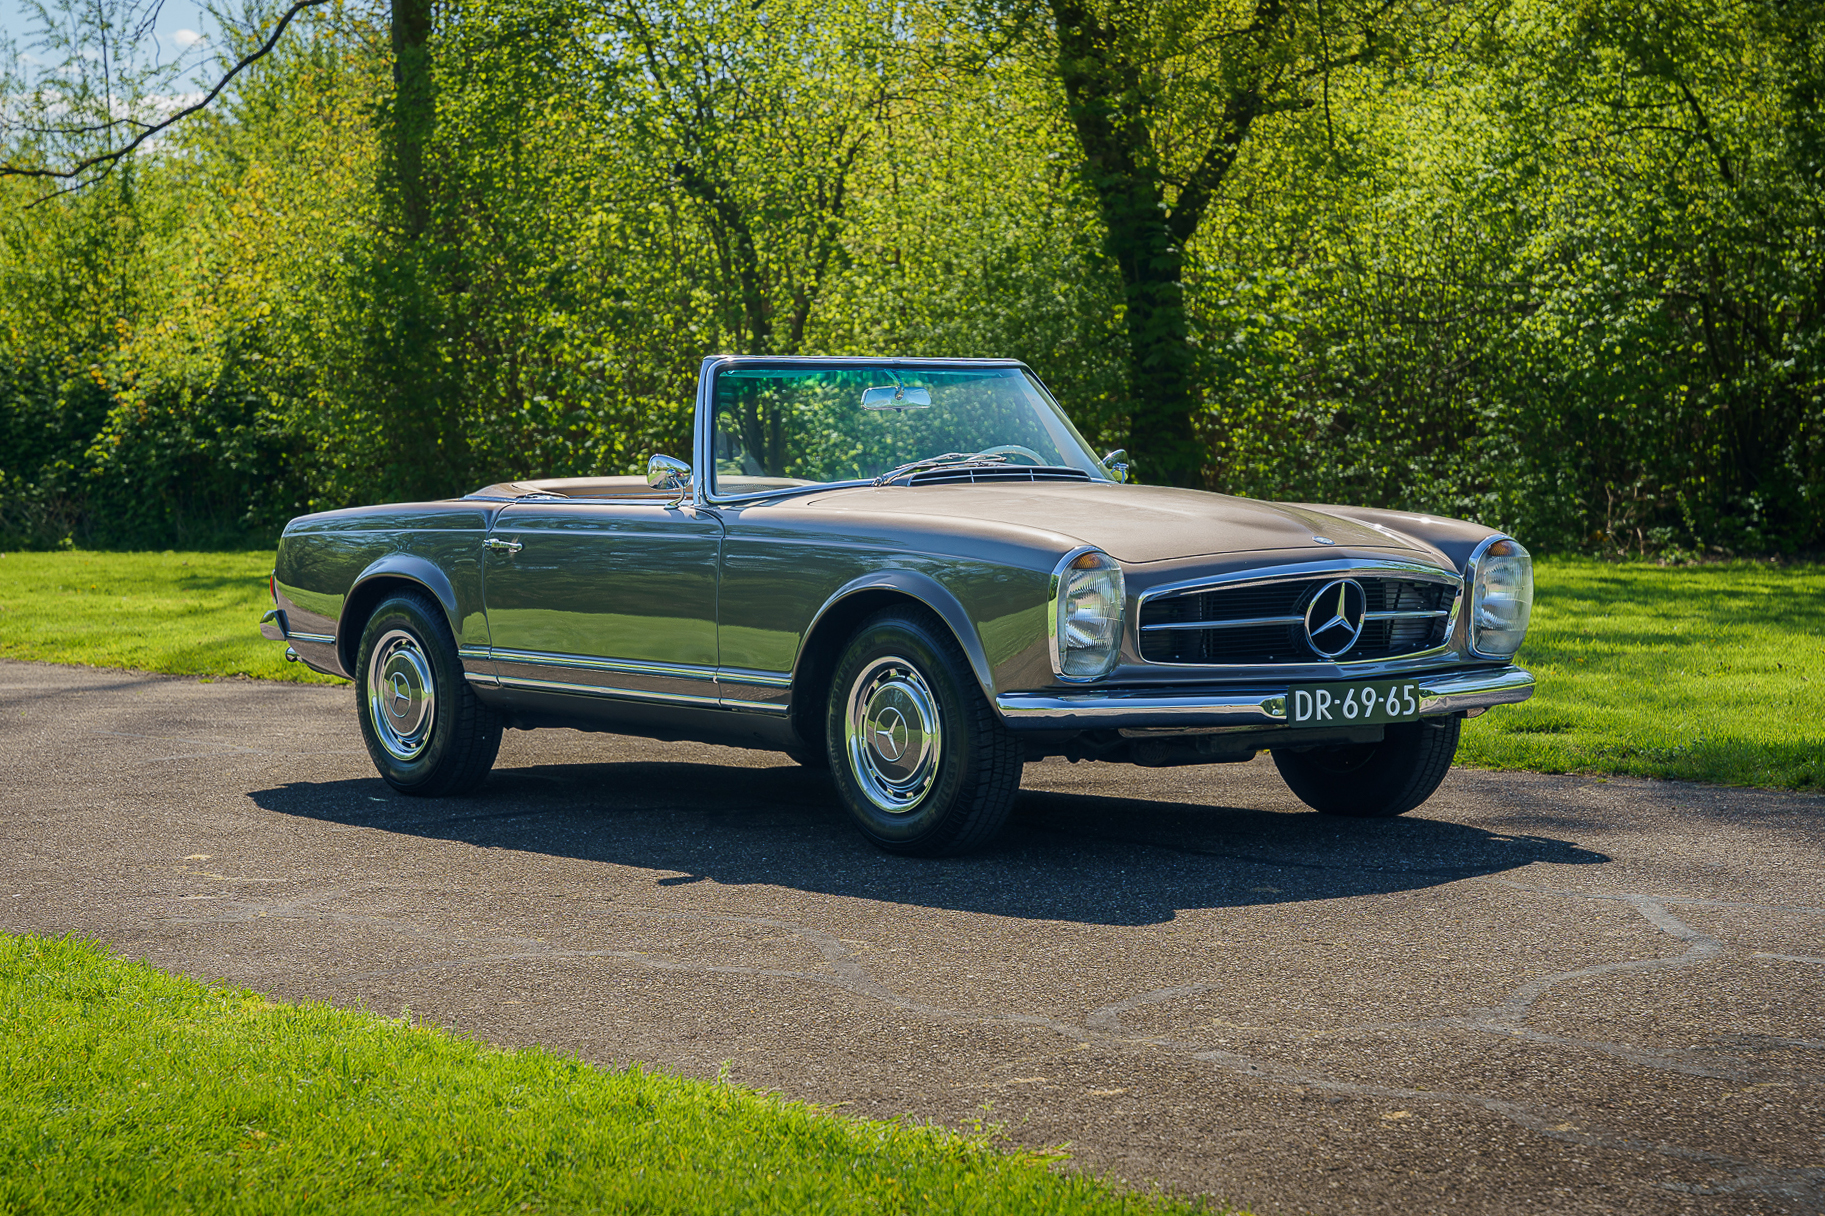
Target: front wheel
921,761
426,730
1374,780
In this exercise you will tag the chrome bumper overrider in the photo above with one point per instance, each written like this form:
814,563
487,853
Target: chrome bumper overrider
1197,711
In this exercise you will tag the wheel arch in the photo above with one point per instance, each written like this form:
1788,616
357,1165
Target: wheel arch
391,574
838,618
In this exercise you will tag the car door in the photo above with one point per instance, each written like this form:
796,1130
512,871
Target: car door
605,598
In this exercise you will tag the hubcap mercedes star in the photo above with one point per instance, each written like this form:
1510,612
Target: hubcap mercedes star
1334,618
402,695
892,734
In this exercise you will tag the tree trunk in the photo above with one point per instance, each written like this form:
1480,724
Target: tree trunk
1106,94
414,109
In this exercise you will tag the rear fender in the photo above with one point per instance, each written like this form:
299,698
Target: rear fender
394,572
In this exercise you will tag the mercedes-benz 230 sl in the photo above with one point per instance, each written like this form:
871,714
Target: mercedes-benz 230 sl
915,572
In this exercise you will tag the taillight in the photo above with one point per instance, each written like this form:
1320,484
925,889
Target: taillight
272,585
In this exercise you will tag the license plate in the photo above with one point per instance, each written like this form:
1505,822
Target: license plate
1358,703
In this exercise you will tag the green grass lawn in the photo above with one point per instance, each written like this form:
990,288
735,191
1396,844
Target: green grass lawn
130,1090
182,613
1710,673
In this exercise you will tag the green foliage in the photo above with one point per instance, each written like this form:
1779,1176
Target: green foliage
129,1090
1558,267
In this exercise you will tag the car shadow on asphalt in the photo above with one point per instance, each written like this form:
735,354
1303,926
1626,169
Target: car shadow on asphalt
1069,857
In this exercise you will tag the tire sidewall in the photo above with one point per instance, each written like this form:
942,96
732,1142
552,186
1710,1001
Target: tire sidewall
904,636
416,616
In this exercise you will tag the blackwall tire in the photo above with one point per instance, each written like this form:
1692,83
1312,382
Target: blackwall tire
425,729
1374,780
920,759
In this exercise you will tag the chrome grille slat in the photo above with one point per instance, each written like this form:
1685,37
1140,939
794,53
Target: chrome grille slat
1263,622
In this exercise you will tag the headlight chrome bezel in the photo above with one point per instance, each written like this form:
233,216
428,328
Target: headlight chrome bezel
1498,576
1080,573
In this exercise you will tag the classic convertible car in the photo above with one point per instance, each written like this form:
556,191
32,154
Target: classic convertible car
916,572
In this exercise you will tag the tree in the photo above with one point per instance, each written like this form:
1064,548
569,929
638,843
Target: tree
1162,95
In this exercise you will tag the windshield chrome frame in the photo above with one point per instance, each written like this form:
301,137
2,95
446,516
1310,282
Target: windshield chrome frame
703,437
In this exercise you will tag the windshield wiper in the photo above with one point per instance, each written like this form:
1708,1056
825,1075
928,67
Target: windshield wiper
933,462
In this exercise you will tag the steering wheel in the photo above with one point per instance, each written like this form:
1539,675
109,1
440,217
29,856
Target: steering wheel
1015,449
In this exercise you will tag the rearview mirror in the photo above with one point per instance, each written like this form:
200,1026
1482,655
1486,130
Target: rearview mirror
895,397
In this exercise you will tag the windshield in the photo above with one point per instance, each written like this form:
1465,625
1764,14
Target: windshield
783,427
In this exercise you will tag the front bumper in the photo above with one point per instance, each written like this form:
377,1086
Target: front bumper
1154,711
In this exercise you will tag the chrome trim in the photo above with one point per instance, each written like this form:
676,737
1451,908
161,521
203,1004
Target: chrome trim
1468,623
1251,622
1246,623
273,626
1052,644
1291,573
578,662
474,652
776,708
612,694
759,679
1203,711
327,639
401,695
1372,567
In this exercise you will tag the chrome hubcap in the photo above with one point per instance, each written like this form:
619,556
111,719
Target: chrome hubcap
402,695
892,734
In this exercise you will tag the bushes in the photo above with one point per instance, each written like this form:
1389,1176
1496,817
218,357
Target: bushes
1563,272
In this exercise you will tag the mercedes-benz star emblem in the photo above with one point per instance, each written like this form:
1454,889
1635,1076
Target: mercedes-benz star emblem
1333,620
890,734
402,695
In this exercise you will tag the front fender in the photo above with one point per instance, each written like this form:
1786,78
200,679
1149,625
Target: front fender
928,591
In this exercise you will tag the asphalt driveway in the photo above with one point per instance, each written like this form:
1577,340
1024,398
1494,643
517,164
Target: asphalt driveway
1534,994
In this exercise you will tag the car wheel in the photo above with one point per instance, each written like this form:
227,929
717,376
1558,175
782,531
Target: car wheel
1371,780
920,759
425,728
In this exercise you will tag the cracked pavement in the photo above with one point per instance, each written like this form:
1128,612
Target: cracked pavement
1533,994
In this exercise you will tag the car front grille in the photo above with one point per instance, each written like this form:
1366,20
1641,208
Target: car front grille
1265,622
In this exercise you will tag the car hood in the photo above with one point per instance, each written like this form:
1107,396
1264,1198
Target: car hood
1130,523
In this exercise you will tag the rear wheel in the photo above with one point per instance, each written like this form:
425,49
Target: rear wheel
424,728
921,761
1373,780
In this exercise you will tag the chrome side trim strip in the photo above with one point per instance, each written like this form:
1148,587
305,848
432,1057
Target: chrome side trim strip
613,694
760,679
777,708
578,662
1205,710
473,652
324,638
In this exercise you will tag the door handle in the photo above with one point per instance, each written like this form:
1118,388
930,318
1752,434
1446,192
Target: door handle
502,546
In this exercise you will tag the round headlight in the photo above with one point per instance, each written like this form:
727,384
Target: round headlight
1088,596
1501,599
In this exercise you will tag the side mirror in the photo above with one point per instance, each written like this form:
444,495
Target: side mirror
1117,463
666,473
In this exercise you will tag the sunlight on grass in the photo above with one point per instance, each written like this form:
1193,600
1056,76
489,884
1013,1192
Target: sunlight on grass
179,613
130,1090
1710,673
